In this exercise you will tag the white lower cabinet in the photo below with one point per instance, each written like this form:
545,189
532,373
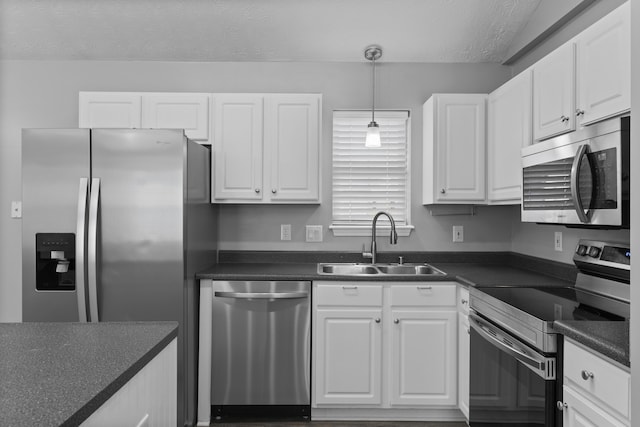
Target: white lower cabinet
147,399
596,391
385,351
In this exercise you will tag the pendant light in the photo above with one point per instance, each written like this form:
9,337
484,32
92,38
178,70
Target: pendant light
373,53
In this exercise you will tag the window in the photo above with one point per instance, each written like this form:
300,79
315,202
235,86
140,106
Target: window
370,180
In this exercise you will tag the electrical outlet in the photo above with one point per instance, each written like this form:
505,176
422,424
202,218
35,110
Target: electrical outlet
16,209
285,231
458,233
313,233
557,240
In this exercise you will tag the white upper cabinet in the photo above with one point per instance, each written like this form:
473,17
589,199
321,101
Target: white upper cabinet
554,93
292,139
454,149
509,129
110,110
266,148
586,80
237,147
188,111
604,67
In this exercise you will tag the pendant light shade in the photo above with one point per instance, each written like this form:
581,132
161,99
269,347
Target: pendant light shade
373,53
373,135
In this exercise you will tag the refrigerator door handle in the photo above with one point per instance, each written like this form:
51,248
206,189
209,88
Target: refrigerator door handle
92,249
81,238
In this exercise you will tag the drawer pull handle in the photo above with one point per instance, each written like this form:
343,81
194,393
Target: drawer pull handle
396,321
586,375
377,320
464,301
425,288
561,405
349,288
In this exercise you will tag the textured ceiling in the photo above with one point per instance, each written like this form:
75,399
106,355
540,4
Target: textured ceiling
261,30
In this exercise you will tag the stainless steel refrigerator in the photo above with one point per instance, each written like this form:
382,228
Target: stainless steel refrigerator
115,224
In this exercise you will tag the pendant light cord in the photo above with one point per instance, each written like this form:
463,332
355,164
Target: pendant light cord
373,102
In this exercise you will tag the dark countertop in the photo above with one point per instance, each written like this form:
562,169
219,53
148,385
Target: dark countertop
608,338
471,269
58,374
470,274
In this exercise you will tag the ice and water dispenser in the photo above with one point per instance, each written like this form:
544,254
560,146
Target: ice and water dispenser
55,262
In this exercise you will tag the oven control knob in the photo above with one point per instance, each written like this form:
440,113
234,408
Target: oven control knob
594,252
581,250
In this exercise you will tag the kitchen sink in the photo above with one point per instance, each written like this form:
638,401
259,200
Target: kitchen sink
382,269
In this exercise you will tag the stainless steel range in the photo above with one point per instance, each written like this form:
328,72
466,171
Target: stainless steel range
515,352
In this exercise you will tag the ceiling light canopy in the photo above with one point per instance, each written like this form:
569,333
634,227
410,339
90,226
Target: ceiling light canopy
373,53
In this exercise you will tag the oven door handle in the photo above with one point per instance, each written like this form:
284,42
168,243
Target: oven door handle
575,184
545,367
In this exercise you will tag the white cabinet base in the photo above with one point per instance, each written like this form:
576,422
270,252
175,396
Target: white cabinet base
374,414
147,399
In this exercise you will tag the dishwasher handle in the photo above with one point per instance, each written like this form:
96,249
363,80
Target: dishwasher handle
261,295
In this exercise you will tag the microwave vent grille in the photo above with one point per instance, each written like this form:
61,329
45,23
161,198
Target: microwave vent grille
547,186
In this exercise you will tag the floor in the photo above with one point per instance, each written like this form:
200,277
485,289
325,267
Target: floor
339,424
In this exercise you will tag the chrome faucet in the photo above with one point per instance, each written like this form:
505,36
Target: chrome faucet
393,237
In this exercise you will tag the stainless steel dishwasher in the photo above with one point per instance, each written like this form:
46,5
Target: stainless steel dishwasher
261,349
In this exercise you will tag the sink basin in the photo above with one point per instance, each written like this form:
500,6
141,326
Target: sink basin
353,269
347,269
415,269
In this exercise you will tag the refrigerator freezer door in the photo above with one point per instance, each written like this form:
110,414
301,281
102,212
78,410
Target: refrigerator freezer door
53,162
139,257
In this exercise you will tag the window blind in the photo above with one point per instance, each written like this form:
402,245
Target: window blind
369,180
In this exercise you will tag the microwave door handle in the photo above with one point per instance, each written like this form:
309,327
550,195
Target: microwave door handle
575,182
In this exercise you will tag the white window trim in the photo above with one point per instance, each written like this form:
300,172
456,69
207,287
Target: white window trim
340,230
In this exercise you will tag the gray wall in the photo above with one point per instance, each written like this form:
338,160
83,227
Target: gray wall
45,94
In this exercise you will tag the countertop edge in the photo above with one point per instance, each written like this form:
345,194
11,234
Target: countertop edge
101,398
584,332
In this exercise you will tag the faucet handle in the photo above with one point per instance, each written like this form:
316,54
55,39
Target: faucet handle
366,254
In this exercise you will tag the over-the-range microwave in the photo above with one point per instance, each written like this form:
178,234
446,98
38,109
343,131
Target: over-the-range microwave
580,179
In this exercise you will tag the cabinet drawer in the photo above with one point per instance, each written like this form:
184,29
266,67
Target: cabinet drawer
348,294
604,380
423,294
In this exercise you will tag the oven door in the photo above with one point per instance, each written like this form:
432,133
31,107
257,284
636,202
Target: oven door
510,383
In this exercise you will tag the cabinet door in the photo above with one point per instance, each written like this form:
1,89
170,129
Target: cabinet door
509,130
109,110
463,364
423,357
237,147
292,141
460,148
348,347
580,412
554,93
604,67
188,111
